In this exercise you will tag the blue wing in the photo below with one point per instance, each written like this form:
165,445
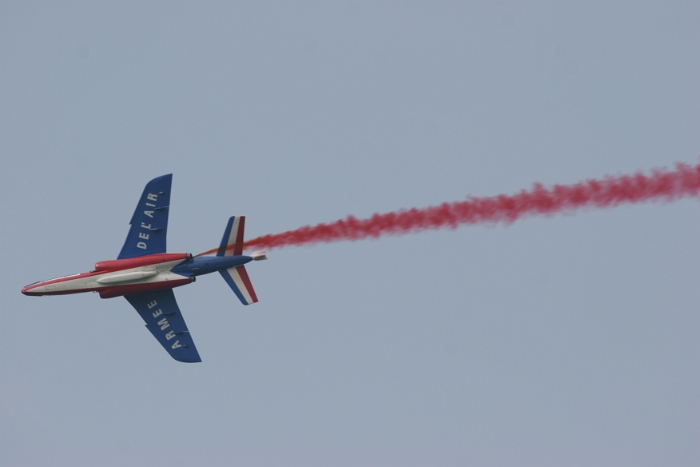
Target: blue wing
163,318
149,224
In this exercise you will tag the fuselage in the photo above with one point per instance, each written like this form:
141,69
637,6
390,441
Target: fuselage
119,277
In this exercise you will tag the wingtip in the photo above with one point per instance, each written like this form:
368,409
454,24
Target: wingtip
162,177
189,360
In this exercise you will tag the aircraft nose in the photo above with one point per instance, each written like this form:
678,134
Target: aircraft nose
27,290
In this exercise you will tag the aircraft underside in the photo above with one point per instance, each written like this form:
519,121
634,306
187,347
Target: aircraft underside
145,274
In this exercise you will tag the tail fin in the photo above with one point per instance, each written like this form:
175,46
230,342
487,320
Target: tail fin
232,242
232,245
238,280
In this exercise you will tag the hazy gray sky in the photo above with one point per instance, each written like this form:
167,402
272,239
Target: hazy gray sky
572,340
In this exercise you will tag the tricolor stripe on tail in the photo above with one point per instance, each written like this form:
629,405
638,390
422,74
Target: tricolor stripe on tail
232,242
232,245
238,280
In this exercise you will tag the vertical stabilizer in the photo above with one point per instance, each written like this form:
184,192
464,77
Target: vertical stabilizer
232,242
232,245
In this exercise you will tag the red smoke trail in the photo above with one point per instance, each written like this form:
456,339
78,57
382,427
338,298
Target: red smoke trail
607,192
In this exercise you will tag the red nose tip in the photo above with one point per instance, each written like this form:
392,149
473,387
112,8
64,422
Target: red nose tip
28,289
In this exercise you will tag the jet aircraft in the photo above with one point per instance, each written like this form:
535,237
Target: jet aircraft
145,274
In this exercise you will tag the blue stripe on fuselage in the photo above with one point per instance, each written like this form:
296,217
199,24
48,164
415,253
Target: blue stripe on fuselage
207,264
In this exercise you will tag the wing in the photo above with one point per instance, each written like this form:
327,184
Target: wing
163,318
149,224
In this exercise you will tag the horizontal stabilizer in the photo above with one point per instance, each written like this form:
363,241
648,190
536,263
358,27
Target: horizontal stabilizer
237,278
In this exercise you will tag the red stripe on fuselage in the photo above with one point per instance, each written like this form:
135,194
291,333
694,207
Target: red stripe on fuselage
128,263
118,291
